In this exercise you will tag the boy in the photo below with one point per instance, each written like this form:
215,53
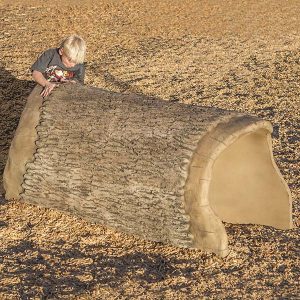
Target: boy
59,65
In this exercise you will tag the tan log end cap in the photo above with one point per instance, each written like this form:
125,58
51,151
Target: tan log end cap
233,178
23,146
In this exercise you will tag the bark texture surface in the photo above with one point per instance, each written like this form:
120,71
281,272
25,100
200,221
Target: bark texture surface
144,166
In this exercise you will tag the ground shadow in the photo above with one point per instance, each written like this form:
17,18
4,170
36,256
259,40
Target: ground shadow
35,271
70,269
13,95
67,268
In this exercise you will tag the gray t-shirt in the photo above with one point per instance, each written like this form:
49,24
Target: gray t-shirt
50,64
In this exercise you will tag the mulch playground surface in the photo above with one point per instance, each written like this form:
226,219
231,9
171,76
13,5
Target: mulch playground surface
238,55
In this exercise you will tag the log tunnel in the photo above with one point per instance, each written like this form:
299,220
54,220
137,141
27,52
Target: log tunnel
160,170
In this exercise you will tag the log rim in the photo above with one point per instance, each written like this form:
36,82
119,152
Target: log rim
207,230
15,168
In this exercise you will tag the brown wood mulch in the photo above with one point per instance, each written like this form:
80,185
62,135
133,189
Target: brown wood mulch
239,55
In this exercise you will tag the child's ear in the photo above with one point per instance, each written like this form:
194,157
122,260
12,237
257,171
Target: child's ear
61,51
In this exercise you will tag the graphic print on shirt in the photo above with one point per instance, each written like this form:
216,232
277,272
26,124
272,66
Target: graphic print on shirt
56,74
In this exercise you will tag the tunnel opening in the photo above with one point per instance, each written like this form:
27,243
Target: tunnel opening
246,186
232,177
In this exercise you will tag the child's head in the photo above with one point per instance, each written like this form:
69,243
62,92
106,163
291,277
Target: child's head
73,49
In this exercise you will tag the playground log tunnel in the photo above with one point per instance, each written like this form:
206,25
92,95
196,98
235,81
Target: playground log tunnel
163,171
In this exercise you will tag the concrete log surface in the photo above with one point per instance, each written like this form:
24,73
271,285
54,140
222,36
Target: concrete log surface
163,171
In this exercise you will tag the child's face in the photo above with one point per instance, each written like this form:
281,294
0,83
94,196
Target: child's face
65,59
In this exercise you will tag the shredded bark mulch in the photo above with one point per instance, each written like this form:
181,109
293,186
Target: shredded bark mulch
241,55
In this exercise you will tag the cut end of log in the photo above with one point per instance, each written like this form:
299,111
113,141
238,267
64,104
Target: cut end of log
233,178
163,171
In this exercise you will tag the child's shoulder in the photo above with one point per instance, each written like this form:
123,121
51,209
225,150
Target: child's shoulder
48,54
51,51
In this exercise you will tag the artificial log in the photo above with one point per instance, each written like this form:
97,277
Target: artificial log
160,170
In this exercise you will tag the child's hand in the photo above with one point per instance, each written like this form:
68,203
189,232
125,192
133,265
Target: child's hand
49,86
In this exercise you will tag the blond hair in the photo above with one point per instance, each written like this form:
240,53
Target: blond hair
74,47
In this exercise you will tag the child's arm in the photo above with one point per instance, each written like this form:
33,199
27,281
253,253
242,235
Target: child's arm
39,67
40,79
